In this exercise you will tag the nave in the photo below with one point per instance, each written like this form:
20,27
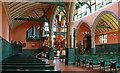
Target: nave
63,36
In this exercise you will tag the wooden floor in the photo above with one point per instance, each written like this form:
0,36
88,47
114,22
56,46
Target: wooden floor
77,69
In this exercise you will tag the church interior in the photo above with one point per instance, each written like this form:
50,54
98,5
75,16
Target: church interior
61,36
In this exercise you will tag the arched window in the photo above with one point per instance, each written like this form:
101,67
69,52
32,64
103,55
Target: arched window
33,34
84,10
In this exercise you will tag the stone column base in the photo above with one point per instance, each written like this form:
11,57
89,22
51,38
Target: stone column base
70,56
93,51
51,55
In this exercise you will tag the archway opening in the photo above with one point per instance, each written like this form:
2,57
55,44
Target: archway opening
84,38
87,43
106,34
60,34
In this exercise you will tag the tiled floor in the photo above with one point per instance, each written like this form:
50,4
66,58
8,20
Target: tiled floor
70,69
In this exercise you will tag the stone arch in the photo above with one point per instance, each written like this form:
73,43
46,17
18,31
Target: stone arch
78,26
99,16
95,23
69,18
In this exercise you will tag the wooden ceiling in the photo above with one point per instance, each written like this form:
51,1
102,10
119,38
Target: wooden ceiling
107,23
24,10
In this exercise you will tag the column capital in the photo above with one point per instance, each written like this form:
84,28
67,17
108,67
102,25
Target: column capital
70,23
92,34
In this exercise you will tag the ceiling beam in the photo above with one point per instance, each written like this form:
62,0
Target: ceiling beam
10,3
102,22
44,15
97,31
55,3
14,5
106,23
102,26
45,11
36,14
18,7
112,19
29,19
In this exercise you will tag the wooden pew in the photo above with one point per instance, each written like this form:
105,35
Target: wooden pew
107,63
32,67
80,59
29,71
95,62
115,65
98,60
25,63
84,59
87,60
22,60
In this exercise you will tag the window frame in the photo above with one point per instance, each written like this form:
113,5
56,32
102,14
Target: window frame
103,39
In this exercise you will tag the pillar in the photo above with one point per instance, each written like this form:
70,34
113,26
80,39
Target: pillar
1,31
119,39
52,18
70,50
70,33
50,51
93,50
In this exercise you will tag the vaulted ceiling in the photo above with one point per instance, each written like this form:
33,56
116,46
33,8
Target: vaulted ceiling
107,23
34,10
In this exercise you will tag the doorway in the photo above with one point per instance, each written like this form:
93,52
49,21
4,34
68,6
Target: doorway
87,43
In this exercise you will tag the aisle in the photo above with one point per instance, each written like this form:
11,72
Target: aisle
60,65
